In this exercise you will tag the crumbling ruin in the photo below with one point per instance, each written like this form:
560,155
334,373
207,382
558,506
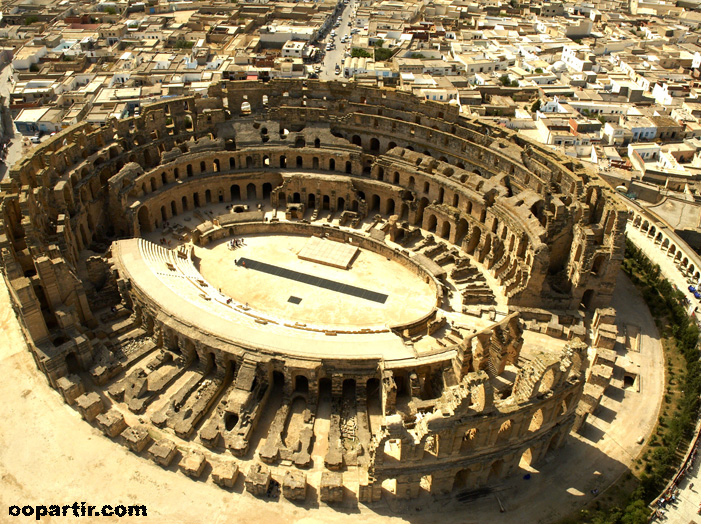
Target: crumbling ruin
511,238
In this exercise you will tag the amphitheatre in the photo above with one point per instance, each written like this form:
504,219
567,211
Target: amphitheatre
341,295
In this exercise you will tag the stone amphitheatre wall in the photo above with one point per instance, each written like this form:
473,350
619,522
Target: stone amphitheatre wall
548,231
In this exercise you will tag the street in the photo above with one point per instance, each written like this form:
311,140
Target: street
335,56
15,151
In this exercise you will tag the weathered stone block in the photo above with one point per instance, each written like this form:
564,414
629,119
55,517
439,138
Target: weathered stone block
136,438
89,405
163,452
224,474
258,480
111,423
331,489
193,464
294,485
70,387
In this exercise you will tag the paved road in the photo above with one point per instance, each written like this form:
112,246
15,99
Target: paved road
16,150
335,56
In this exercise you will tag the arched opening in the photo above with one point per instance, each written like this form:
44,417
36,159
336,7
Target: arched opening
341,205
587,298
445,230
354,206
251,191
504,433
536,421
301,384
164,215
184,203
315,162
597,265
375,203
232,163
267,189
215,165
325,202
349,389
495,470
173,208
461,479
349,168
300,162
325,394
432,224
296,198
235,192
196,199
249,162
189,170
144,220
332,165
390,206
203,166
474,240
266,161
373,390
469,440
317,143
441,195
72,363
311,201
283,161
230,421
153,185
374,145
208,197
356,141
281,199
381,174
526,459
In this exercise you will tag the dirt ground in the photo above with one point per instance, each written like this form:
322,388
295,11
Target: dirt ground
49,455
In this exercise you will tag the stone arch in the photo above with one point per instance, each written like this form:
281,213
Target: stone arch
251,191
432,224
144,217
235,192
598,264
469,440
472,244
445,230
536,421
505,431
389,207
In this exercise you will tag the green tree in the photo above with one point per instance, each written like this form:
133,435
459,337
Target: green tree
536,106
30,20
357,52
379,42
417,55
110,11
504,79
382,54
538,70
